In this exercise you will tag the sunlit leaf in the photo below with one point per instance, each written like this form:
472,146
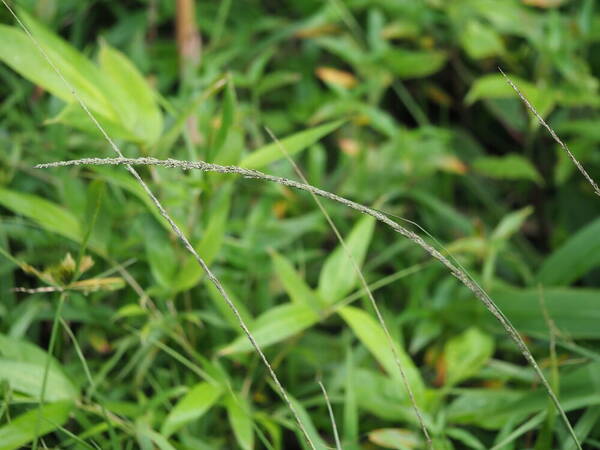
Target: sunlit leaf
465,354
408,64
372,336
22,366
292,145
295,286
48,215
275,325
26,427
339,275
240,418
396,438
191,407
509,167
134,99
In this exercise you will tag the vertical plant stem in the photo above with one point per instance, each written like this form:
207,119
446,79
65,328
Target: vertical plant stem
53,334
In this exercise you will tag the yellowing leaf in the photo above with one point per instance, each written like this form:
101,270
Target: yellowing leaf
336,76
396,438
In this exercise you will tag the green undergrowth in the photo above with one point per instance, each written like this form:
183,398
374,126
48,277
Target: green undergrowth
112,336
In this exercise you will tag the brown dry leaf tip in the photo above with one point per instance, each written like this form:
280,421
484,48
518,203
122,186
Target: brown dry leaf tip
320,30
544,3
552,133
336,76
349,146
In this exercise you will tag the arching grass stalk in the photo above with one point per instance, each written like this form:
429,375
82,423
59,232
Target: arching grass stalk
479,292
173,225
365,285
552,133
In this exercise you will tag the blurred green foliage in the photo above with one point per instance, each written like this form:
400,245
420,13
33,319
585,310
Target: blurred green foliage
397,104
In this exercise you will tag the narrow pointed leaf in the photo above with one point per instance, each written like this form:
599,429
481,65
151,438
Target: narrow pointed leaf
275,325
292,145
370,333
191,407
339,276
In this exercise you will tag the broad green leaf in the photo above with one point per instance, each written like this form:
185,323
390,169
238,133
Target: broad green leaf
192,406
48,215
27,378
511,224
209,245
396,438
294,285
481,41
574,258
481,407
22,366
383,396
407,64
509,167
24,428
574,311
73,116
134,100
292,145
339,276
494,86
18,51
275,325
276,80
492,408
466,354
372,336
240,419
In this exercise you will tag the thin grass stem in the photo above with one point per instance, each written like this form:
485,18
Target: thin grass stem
336,436
552,133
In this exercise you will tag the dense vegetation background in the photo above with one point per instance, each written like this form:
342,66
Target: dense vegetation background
398,105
